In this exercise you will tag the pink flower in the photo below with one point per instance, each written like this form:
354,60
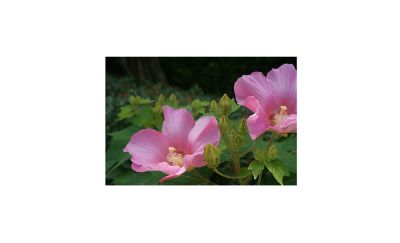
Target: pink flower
273,99
178,148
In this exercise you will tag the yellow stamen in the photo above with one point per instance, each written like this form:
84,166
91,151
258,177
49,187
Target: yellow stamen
174,158
278,117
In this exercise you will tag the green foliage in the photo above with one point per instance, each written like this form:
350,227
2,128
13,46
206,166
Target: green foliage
115,155
277,169
270,158
256,168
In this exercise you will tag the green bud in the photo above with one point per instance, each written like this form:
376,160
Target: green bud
238,138
214,106
272,152
259,154
224,124
243,126
212,155
225,104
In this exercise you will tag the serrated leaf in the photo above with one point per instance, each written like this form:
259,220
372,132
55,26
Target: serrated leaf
126,112
277,169
256,168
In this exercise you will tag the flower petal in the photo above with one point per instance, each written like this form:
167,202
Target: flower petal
164,167
147,146
195,160
287,125
254,85
177,125
283,84
205,131
169,177
257,123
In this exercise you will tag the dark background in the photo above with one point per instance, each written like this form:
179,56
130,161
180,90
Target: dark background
213,75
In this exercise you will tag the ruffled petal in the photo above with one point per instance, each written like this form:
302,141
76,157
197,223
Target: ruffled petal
169,177
147,146
177,125
164,167
287,125
194,160
257,123
205,131
283,84
250,88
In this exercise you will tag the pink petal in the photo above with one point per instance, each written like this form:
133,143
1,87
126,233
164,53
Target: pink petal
205,131
169,177
195,160
177,125
287,125
283,84
251,103
257,123
163,167
254,85
147,146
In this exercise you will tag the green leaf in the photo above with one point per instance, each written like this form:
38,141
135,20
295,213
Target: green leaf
144,118
115,155
277,169
287,152
244,172
130,177
234,106
144,101
256,167
126,112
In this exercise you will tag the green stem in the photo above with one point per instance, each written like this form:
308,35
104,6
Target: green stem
226,176
271,139
198,175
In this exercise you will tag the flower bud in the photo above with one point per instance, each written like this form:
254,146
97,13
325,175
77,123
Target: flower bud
272,152
212,155
214,106
238,138
224,124
259,154
225,104
242,126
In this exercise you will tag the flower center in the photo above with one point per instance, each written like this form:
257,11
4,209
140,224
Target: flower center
278,117
174,158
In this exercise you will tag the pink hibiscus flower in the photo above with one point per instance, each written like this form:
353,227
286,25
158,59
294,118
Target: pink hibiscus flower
178,148
273,99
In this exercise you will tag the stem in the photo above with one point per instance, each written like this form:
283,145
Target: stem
226,176
196,173
271,139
